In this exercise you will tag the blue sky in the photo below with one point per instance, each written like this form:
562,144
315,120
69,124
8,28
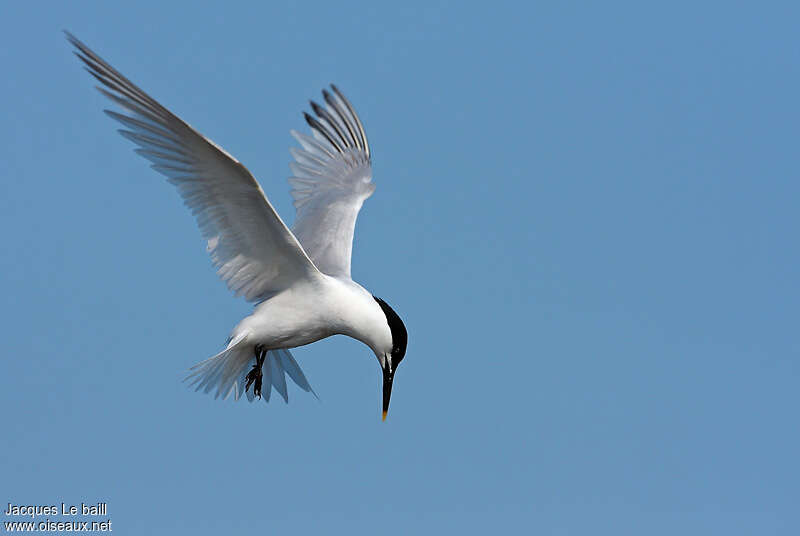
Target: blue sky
586,216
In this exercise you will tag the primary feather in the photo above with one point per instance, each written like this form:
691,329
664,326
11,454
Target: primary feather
253,250
331,178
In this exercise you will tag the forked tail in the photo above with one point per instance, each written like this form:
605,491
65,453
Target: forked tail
226,372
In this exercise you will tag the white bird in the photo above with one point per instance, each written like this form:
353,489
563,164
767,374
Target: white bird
299,279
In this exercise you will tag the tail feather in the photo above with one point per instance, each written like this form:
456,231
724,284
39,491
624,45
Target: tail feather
227,371
278,378
294,371
218,371
266,388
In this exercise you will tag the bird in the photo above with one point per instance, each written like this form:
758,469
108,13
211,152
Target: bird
297,279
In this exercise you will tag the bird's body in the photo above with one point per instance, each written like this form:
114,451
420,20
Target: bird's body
315,310
299,279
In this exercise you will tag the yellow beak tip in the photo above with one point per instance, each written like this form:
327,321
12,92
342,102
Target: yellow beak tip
384,416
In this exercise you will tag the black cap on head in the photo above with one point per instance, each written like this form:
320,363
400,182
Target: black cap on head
399,333
399,342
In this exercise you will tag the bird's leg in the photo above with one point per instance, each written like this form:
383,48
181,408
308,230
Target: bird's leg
255,375
259,364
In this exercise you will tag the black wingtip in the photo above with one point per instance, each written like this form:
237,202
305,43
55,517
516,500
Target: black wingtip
340,95
319,127
354,115
74,41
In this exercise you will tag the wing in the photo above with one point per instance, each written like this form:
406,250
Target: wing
331,179
252,249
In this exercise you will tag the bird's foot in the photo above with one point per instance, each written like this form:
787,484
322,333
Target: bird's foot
255,376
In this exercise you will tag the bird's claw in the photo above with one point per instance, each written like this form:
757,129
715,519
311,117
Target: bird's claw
255,376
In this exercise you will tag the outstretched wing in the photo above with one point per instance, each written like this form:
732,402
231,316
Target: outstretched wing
253,250
331,179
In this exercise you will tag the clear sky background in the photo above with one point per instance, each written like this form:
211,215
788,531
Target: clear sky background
587,216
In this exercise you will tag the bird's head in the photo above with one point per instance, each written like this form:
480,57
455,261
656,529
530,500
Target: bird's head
391,356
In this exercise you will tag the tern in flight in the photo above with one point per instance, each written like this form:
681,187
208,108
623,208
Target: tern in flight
299,279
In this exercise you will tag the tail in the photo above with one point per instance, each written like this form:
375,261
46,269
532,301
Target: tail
227,370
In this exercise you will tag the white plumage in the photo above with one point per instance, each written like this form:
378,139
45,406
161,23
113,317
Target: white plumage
299,279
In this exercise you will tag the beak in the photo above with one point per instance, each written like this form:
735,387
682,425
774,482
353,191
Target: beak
388,377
